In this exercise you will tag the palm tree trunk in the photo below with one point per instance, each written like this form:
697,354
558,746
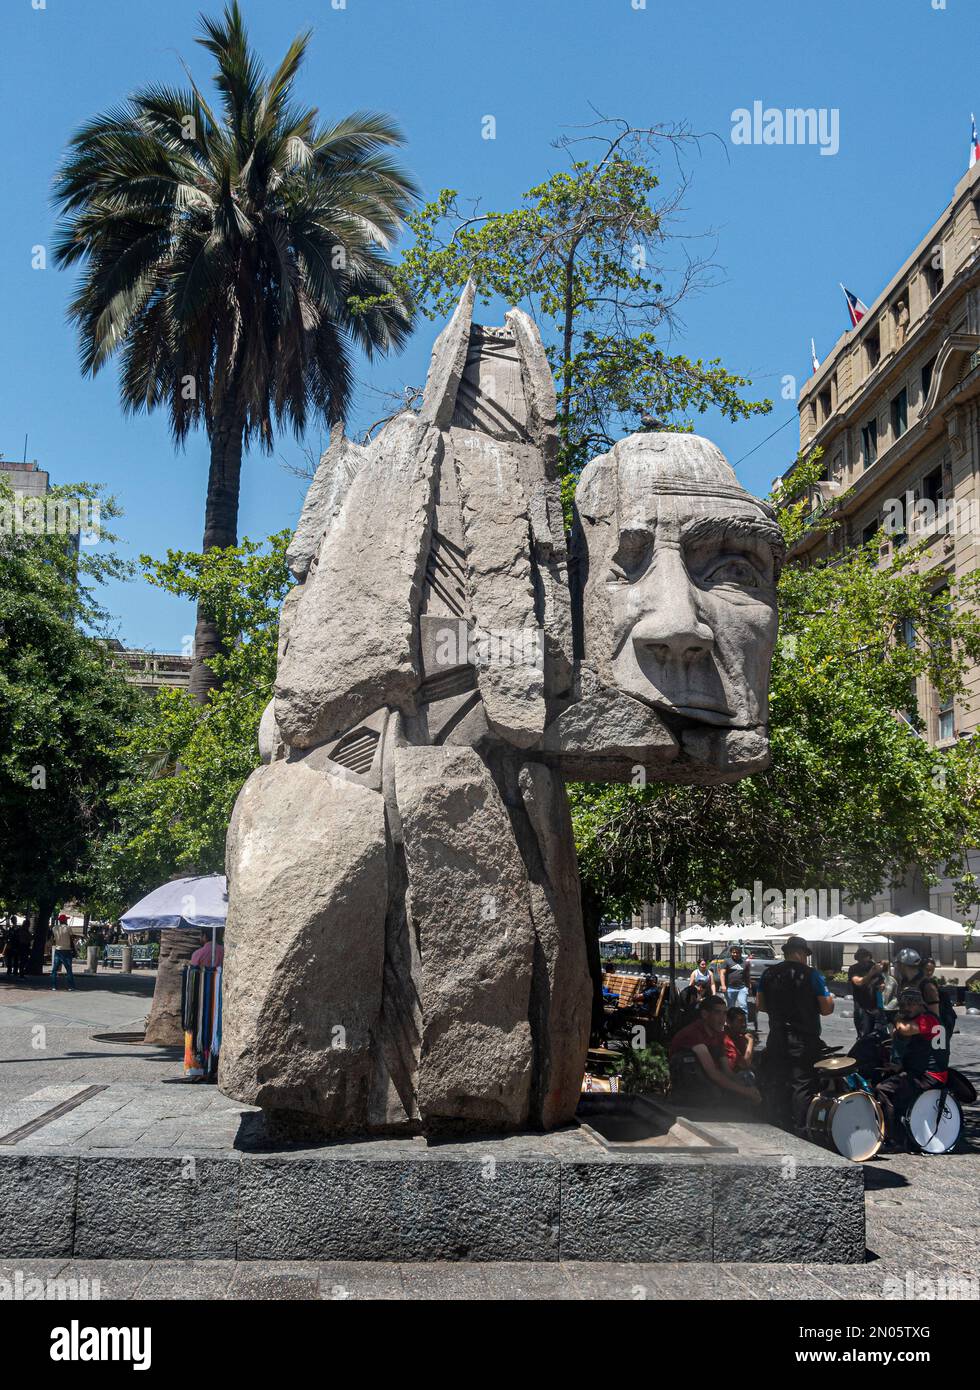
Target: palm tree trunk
176,948
47,903
220,529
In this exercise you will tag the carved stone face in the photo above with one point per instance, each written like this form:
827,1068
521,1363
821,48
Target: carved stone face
679,604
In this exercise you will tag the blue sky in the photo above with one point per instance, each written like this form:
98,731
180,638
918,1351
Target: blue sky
789,223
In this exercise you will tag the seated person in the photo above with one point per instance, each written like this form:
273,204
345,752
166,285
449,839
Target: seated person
737,1031
920,1060
608,995
649,993
702,1059
686,1009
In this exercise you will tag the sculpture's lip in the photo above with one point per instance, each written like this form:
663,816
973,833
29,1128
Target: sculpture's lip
707,713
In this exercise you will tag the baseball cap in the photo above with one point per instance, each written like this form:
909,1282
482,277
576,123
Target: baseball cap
796,943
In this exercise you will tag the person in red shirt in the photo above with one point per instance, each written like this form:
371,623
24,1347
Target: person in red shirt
919,1060
737,1031
202,956
703,1059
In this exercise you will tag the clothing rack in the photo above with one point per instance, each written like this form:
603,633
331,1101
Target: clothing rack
200,1014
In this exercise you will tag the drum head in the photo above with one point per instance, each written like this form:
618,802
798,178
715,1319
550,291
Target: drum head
935,1133
857,1126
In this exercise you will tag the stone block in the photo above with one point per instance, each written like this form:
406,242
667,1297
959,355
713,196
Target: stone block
156,1207
377,1207
37,1205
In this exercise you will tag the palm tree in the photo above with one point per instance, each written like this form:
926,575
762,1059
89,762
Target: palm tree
232,260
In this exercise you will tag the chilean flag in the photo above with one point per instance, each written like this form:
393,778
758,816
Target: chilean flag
974,143
855,307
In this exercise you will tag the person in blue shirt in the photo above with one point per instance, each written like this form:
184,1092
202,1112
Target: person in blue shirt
795,997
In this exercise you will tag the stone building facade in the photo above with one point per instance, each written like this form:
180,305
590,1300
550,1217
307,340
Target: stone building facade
895,408
152,671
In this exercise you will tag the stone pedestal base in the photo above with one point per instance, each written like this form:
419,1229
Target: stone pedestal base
558,1196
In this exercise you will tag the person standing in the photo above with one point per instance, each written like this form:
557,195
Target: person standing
203,957
62,951
22,949
702,980
735,975
865,978
911,974
795,997
7,943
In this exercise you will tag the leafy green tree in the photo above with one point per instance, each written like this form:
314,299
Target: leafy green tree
587,253
222,252
62,702
186,763
855,796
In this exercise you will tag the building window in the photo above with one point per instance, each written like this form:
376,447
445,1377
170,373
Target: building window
872,349
934,277
869,443
826,409
932,486
900,413
945,722
909,636
926,378
869,533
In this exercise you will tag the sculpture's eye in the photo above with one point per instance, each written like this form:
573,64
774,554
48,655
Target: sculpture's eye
631,558
733,569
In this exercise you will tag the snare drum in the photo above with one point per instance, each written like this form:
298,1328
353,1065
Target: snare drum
851,1123
934,1131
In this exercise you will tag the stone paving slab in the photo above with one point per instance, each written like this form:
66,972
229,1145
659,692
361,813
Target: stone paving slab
341,1281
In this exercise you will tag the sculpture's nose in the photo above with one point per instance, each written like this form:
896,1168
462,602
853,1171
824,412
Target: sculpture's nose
669,627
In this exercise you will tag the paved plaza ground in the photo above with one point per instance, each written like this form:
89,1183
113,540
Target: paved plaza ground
923,1214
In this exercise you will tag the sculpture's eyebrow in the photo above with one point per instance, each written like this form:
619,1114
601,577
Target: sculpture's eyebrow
738,528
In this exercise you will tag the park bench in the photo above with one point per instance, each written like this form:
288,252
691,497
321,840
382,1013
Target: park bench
626,986
142,955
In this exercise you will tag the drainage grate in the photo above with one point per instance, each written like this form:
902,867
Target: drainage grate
56,1111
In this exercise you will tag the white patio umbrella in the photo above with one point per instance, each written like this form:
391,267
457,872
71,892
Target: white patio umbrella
880,922
620,934
923,923
840,922
731,931
856,936
653,936
638,936
201,901
810,928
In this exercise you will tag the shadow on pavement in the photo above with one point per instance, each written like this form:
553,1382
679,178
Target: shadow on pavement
139,985
876,1179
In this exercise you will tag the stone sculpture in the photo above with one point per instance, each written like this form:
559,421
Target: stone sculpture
404,948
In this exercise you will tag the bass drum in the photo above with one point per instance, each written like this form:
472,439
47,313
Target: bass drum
851,1123
934,1130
